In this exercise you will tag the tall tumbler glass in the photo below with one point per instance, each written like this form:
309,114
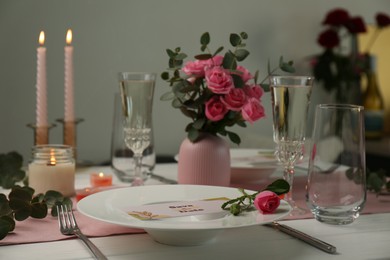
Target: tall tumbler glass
290,105
137,91
336,187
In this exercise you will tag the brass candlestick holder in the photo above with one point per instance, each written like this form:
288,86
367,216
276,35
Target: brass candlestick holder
69,133
41,133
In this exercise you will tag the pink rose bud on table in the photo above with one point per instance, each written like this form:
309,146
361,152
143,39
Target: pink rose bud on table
266,202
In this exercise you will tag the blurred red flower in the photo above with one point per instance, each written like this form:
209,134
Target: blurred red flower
356,25
328,39
336,17
382,20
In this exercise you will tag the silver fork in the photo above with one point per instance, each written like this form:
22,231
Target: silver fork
68,227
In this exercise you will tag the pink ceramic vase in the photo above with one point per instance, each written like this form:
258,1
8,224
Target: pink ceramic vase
205,162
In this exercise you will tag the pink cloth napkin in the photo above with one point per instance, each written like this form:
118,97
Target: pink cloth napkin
47,229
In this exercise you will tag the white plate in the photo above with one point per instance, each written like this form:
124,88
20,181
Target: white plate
251,165
108,206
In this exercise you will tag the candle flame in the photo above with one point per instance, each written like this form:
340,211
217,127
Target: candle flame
69,37
101,175
52,161
42,38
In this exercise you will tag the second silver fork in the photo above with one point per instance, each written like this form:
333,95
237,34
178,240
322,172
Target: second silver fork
68,226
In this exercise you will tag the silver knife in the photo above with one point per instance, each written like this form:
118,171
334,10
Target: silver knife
304,237
161,178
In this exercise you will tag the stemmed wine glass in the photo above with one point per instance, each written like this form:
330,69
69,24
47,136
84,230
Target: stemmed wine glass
136,91
290,105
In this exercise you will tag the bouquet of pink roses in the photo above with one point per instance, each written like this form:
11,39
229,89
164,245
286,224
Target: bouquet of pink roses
215,92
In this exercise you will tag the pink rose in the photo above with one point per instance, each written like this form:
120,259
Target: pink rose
254,91
235,99
215,109
219,81
252,110
266,202
215,61
195,68
246,75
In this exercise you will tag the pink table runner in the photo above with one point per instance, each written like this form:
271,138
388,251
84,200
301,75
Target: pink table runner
44,230
47,229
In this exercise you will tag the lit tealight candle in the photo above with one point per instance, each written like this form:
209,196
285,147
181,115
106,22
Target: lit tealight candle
100,179
82,193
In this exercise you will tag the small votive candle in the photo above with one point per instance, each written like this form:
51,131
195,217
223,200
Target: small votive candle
82,193
100,179
52,168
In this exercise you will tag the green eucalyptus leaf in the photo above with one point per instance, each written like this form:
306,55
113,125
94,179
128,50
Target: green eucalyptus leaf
193,134
238,82
181,56
7,225
38,198
234,138
198,124
22,209
177,49
165,75
244,35
203,47
5,209
171,53
375,182
188,112
14,160
265,87
190,88
229,61
281,61
241,123
269,71
10,169
176,103
279,187
177,88
51,197
235,39
205,38
205,56
241,54
286,67
20,193
167,96
256,76
38,210
218,50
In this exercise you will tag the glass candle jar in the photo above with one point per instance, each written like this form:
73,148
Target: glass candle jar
52,167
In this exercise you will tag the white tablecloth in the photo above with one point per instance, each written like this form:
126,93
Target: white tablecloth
367,238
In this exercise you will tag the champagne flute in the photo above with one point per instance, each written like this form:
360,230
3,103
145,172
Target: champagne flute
137,100
290,105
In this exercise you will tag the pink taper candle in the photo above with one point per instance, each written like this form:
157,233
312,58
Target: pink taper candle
69,101
41,85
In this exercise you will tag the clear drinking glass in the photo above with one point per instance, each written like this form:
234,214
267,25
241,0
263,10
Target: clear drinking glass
122,161
137,91
290,105
336,187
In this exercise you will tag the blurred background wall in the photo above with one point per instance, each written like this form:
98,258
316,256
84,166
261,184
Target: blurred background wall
131,35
